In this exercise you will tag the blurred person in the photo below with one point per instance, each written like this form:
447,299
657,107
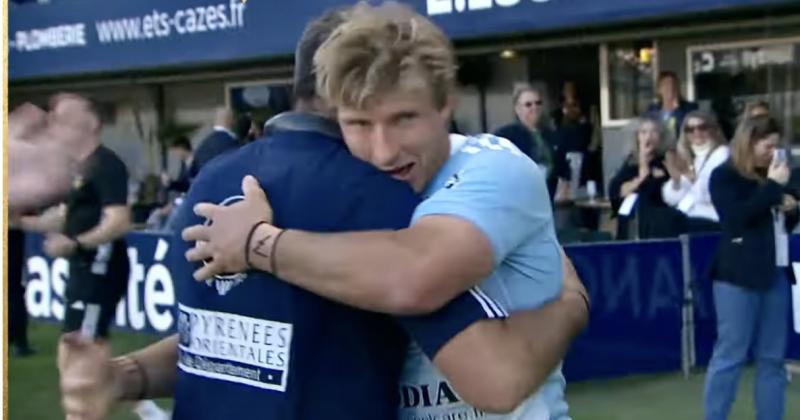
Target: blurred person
578,161
569,93
670,108
181,149
486,222
222,139
328,187
643,174
256,130
701,148
40,167
529,133
758,109
751,286
572,138
89,228
17,312
242,127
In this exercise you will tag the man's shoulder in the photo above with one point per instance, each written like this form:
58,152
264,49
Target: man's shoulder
492,152
104,159
510,129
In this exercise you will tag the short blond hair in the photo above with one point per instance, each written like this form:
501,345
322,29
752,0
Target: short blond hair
380,48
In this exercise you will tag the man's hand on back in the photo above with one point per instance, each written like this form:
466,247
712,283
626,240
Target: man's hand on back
221,241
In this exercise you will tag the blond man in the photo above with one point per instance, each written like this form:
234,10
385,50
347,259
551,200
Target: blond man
485,225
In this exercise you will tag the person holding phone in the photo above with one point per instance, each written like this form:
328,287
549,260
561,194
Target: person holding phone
751,300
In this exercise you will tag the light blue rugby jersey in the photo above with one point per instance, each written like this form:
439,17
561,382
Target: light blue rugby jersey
490,183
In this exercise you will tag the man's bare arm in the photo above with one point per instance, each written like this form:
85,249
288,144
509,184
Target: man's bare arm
51,220
496,364
115,223
157,363
410,271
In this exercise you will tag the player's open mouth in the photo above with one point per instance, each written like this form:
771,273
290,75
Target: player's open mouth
401,172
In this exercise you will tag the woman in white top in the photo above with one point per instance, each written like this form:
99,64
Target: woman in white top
701,149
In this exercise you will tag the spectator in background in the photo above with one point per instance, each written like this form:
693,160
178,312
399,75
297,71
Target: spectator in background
221,140
89,228
17,313
670,108
180,148
256,130
751,289
241,127
569,93
701,149
643,174
529,134
758,109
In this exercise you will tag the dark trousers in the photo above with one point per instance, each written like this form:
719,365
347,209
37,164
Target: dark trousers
17,313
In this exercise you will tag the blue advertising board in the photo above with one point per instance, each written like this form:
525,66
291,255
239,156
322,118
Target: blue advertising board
636,290
76,37
149,304
635,323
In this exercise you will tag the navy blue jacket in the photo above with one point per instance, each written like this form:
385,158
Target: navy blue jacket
217,143
746,253
255,347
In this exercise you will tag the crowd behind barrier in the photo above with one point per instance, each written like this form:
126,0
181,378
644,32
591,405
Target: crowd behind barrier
646,317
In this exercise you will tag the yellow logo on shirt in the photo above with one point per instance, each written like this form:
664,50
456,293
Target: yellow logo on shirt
78,182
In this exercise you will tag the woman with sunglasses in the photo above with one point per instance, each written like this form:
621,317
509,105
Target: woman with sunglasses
751,287
701,148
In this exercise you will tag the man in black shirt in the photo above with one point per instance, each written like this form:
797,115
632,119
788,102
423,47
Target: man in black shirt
89,228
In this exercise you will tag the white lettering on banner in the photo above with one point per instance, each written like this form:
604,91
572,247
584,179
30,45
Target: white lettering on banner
219,17
60,36
157,24
44,295
234,348
158,275
38,291
60,274
445,7
135,314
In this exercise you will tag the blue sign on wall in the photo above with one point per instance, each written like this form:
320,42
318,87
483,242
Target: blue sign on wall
636,290
635,324
88,36
149,304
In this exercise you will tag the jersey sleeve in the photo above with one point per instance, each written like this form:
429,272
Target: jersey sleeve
111,180
500,191
376,202
432,331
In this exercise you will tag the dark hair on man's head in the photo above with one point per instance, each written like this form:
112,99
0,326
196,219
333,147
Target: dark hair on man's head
181,142
666,74
316,32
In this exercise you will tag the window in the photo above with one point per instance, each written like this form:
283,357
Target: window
727,78
627,73
260,99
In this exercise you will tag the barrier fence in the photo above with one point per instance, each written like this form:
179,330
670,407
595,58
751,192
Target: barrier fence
652,309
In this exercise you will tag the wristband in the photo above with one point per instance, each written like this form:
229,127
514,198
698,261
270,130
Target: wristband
129,364
253,229
273,266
